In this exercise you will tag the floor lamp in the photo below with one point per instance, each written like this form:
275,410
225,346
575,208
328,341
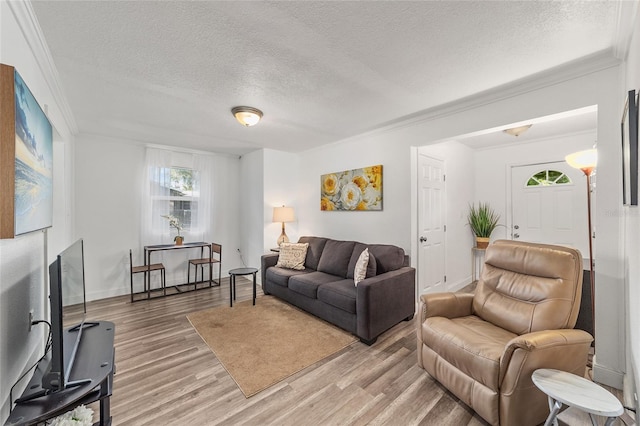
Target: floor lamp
586,161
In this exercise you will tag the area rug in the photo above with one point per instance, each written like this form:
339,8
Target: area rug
264,344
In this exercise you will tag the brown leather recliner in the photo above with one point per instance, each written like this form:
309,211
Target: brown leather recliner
484,347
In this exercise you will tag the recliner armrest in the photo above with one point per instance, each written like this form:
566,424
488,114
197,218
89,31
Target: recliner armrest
448,305
557,349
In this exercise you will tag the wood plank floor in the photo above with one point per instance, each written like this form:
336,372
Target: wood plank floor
166,375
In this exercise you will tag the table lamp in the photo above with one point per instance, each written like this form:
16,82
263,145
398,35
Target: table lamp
283,214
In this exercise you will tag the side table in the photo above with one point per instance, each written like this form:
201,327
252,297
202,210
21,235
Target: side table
232,282
575,391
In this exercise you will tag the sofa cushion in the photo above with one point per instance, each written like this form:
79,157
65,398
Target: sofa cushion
470,344
292,255
335,257
388,257
280,276
360,270
371,265
316,244
307,284
341,294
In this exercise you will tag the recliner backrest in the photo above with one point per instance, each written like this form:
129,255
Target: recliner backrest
526,287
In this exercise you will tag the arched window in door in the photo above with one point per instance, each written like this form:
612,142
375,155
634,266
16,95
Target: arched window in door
548,178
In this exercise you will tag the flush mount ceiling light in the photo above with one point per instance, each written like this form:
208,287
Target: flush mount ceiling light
517,131
247,116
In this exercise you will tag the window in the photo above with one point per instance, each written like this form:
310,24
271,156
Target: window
176,192
548,178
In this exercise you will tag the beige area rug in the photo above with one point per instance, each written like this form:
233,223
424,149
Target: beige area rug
264,344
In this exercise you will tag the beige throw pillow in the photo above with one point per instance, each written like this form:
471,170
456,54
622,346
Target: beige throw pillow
292,255
360,271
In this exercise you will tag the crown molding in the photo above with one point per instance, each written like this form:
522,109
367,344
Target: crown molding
575,69
625,24
28,23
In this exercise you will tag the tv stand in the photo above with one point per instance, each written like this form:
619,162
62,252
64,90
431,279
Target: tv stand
93,371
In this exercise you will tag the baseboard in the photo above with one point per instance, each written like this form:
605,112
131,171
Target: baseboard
607,376
459,284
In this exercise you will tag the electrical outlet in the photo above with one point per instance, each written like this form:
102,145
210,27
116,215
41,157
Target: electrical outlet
30,319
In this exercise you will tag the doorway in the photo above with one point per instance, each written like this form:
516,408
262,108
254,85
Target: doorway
431,225
548,205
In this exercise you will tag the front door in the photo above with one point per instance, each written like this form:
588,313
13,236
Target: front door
549,205
431,214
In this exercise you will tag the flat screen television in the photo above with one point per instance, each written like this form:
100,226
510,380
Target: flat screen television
68,309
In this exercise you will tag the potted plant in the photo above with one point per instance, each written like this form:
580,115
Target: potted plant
482,220
175,223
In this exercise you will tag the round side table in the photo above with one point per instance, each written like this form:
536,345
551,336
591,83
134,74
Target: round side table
575,391
232,282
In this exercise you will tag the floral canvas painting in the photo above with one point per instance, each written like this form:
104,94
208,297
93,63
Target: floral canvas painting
351,190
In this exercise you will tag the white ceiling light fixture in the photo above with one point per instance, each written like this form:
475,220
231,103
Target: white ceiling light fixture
517,131
247,116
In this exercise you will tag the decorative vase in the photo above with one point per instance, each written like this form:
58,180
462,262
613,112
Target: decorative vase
178,239
482,242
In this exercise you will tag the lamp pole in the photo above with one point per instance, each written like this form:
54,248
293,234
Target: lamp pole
586,161
592,278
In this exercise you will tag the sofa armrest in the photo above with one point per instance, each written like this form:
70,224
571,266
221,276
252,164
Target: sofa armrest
448,305
564,350
384,300
267,261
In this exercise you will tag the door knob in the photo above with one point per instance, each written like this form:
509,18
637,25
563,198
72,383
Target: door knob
516,235
423,239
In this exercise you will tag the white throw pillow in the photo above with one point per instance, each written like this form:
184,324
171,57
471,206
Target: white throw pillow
292,255
360,271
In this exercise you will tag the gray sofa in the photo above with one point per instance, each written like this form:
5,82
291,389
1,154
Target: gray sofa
325,288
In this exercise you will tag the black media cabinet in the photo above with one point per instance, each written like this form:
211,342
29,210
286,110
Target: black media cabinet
94,361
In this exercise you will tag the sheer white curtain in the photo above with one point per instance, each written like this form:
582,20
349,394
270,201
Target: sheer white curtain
154,229
155,193
201,216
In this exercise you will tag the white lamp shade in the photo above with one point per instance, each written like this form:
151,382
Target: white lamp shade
283,214
587,159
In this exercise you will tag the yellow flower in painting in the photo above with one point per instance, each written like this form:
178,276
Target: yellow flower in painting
361,181
350,196
362,205
326,204
374,173
329,184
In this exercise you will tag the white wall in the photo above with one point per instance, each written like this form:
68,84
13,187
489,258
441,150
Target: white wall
389,226
252,208
460,173
110,177
631,233
557,91
23,260
280,188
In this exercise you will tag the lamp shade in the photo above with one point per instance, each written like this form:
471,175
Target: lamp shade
283,214
583,160
247,116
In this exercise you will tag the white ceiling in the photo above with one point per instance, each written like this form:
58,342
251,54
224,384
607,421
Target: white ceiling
168,72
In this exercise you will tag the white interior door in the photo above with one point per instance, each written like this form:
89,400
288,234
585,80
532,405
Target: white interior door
431,214
549,205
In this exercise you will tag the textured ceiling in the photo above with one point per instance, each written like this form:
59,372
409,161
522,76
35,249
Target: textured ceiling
168,72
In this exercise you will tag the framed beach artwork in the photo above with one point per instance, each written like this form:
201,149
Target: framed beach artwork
26,159
352,190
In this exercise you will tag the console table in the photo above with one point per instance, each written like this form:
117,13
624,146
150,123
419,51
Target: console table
149,250
94,361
